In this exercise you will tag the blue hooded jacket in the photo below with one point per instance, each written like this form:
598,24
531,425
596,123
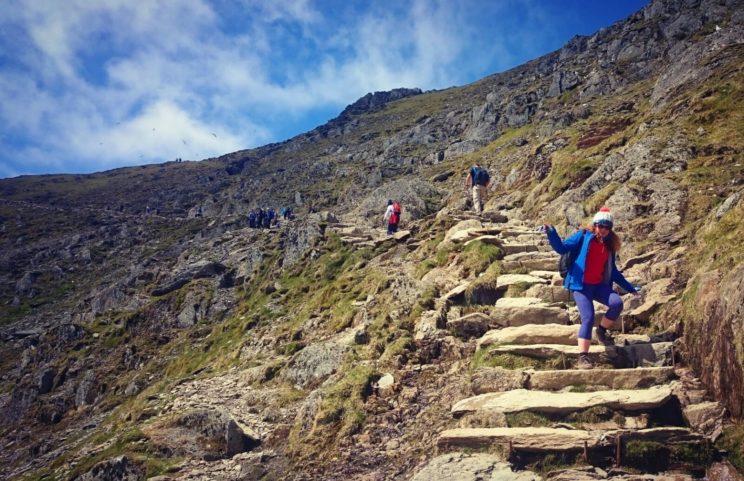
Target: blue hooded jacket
574,280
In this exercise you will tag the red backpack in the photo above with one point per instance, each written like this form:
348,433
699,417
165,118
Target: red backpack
395,216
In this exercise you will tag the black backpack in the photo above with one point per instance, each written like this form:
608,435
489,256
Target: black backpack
567,260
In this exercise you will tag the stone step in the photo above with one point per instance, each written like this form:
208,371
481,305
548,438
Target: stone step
591,474
489,379
637,378
549,402
553,333
531,334
556,440
519,311
506,280
637,355
486,239
513,248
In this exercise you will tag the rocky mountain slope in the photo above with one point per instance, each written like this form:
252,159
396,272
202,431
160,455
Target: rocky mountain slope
147,332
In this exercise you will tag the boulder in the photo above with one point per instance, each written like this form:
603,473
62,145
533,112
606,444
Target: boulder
197,270
462,231
25,287
312,365
46,380
723,471
470,325
202,433
87,390
116,469
706,418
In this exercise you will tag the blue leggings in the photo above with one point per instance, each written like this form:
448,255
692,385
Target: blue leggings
602,293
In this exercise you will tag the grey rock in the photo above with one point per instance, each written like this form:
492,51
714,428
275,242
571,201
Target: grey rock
197,270
497,379
471,325
315,363
210,434
116,469
299,238
46,380
417,197
25,287
87,390
728,204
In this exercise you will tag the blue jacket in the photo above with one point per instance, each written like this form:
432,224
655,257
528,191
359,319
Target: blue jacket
575,277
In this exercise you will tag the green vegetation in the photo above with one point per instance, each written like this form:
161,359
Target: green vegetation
478,256
646,455
556,461
342,406
528,418
732,441
483,358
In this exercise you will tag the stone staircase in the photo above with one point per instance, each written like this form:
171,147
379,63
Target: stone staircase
631,413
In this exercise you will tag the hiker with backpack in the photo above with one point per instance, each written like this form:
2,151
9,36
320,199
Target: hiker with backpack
590,273
392,217
478,180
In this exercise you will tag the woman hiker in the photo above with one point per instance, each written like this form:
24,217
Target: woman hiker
591,276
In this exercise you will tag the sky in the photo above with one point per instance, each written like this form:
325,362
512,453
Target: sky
92,85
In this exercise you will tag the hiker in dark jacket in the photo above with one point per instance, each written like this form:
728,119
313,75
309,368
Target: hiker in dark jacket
478,180
591,276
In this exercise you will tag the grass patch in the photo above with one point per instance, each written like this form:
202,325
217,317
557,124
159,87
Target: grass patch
555,461
516,290
590,416
646,455
343,403
528,418
732,441
478,256
483,358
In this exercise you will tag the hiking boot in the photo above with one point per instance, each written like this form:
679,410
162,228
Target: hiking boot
604,337
584,362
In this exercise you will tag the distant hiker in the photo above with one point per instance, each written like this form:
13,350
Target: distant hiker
269,217
478,180
590,278
260,217
252,219
147,210
392,217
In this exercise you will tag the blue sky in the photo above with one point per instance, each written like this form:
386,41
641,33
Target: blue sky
88,86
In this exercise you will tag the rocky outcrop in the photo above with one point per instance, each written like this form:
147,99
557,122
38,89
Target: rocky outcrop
375,101
117,469
201,433
197,270
315,363
713,334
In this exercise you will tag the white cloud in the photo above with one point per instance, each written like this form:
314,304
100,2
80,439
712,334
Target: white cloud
90,80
